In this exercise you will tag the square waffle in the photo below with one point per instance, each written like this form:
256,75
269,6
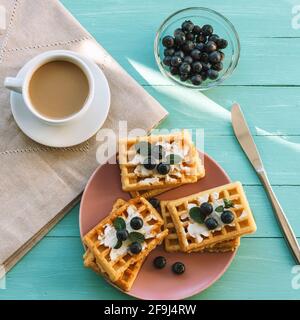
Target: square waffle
148,194
134,179
171,241
243,222
115,268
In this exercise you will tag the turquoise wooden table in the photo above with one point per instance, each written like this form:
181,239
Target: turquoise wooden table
266,84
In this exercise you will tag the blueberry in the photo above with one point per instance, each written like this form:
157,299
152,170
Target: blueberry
168,42
197,29
200,46
206,208
179,54
197,67
135,247
136,223
213,37
174,70
176,61
188,59
210,46
203,75
187,26
201,38
222,55
212,74
195,54
184,76
159,262
169,52
188,46
207,30
227,217
167,60
214,57
163,168
178,31
158,152
189,36
204,57
206,66
122,235
149,163
222,43
217,66
185,68
211,223
155,203
179,39
196,79
178,268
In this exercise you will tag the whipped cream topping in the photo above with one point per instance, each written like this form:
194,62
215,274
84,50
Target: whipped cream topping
109,236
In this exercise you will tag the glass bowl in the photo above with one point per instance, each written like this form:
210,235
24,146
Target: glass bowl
201,16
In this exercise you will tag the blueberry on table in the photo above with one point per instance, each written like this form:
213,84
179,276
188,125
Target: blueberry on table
212,74
176,61
122,235
174,70
211,223
195,54
159,262
185,68
206,208
178,268
149,163
167,60
187,26
168,41
188,59
179,39
204,57
222,43
184,76
200,46
155,203
179,54
214,57
227,216
136,223
135,247
201,38
158,152
197,67
169,52
213,37
163,168
188,46
196,80
207,30
189,36
210,46
197,29
217,66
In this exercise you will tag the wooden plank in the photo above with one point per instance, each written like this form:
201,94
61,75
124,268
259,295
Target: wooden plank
266,223
54,270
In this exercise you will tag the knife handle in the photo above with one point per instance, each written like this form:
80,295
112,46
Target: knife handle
281,217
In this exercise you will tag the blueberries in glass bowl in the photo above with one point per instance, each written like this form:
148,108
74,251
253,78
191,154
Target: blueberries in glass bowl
195,52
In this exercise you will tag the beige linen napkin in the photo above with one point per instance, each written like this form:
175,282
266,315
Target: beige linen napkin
38,185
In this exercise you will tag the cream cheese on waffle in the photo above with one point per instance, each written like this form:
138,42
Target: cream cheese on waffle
109,236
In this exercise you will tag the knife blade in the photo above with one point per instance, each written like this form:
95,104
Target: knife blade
247,143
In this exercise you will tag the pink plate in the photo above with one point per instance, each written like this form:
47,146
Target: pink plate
202,269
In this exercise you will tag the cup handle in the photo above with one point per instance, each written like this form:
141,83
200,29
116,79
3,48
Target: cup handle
14,84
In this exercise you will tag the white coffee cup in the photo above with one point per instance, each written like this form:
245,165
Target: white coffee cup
21,84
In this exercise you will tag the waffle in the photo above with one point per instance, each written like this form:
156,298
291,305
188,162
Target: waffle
115,268
133,180
126,281
171,241
243,223
148,194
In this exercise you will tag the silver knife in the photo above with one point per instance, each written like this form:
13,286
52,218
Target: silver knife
245,139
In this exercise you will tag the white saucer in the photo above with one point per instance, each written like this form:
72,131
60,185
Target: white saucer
64,135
